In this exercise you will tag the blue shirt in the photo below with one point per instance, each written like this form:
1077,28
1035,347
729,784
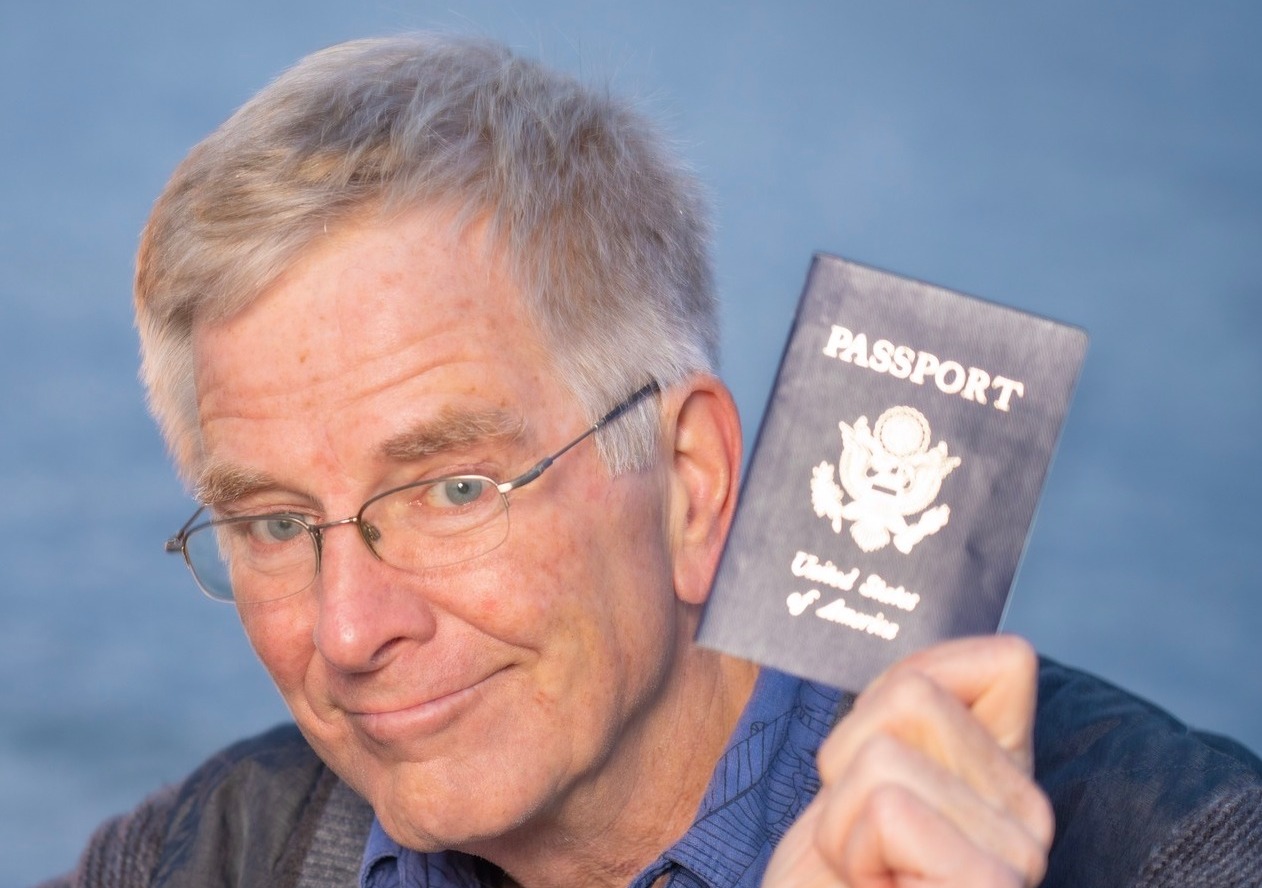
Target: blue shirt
763,780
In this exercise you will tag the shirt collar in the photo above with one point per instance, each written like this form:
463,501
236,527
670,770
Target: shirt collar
762,783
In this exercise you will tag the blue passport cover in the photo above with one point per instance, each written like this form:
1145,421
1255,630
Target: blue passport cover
894,477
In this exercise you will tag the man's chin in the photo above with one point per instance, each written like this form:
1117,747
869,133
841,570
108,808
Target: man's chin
440,819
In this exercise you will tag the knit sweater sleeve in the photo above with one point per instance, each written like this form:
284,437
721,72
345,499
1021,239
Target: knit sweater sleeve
263,813
1218,848
124,851
1141,799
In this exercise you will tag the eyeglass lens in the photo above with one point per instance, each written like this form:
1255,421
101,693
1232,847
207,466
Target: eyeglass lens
424,525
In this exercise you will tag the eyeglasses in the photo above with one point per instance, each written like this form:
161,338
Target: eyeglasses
434,522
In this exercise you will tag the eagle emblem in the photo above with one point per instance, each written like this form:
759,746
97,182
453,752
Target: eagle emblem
888,474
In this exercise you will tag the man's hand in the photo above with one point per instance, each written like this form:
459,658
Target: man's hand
927,782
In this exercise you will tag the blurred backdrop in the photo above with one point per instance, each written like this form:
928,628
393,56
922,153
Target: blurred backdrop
1095,162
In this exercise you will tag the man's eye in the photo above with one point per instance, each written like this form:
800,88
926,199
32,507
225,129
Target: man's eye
456,492
275,530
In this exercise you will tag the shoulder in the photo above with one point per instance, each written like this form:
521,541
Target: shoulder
249,815
242,804
1140,798
276,769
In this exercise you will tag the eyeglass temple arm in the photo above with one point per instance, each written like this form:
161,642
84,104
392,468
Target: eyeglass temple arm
176,543
540,467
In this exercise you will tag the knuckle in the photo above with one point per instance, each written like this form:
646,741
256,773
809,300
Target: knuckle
870,755
1039,816
1019,655
999,874
1035,819
887,806
831,758
877,754
1031,862
910,693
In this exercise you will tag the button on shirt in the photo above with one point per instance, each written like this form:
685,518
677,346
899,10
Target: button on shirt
762,782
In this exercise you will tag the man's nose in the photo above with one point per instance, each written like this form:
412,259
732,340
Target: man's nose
366,608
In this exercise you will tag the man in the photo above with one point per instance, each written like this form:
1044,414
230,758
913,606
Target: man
431,332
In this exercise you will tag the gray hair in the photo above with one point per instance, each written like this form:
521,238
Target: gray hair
604,232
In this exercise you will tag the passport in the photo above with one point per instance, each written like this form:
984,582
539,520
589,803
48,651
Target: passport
894,478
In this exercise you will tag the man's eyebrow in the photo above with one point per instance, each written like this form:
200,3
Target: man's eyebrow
454,429
220,483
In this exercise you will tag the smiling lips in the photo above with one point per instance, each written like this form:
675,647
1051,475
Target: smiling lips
389,726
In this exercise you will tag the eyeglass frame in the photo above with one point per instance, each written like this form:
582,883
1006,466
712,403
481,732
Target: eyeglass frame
178,542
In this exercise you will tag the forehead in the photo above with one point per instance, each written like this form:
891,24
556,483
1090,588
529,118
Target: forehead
357,292
375,328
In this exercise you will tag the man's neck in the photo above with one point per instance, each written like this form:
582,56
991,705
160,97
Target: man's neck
614,825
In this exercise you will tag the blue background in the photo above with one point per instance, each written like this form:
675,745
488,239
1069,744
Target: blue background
1095,162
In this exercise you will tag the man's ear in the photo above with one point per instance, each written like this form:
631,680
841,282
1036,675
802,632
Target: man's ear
703,444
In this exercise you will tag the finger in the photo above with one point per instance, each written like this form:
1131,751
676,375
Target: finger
885,763
995,677
797,861
919,713
902,842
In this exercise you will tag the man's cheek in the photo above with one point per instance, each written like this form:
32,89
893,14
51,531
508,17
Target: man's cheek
281,635
524,590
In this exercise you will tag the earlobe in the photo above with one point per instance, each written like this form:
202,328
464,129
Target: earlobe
705,453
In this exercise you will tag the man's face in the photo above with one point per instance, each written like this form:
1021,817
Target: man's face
466,700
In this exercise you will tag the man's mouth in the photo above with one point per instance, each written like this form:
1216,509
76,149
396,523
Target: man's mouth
409,721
